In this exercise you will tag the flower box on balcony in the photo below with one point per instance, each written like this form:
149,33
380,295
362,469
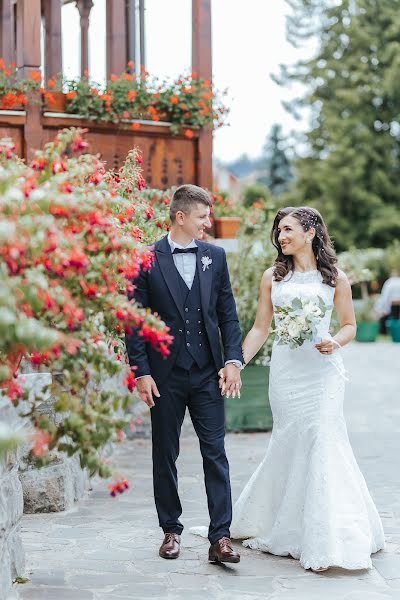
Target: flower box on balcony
54,102
226,227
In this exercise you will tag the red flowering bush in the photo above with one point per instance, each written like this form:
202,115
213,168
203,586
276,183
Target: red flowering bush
71,241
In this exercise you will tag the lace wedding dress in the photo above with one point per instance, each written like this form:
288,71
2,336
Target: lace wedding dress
308,498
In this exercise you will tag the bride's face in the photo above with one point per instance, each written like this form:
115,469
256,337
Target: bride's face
292,237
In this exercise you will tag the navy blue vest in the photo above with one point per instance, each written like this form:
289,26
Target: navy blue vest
194,347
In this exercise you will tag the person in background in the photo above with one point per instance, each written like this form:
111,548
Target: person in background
388,303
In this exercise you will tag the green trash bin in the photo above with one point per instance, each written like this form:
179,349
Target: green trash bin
250,412
367,331
393,326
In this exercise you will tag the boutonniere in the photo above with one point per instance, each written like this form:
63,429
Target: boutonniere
206,261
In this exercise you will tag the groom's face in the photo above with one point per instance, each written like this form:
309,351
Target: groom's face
196,221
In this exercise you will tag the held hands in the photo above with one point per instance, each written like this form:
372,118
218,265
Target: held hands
327,346
146,386
230,381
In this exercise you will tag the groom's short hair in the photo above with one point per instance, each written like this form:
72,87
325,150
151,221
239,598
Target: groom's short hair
185,197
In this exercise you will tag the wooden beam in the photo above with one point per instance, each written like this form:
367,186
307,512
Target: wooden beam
28,61
116,36
202,67
53,42
142,33
7,38
84,8
132,31
28,35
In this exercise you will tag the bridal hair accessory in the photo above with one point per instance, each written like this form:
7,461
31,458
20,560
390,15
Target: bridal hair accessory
206,261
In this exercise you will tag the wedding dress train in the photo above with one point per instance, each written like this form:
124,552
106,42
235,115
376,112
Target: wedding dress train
308,498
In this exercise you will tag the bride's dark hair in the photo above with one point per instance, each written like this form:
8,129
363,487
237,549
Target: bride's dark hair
322,245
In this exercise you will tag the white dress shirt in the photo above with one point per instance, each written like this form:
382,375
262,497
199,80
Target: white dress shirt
185,263
390,293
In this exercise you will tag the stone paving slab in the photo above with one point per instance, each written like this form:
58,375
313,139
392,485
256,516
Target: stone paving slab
107,548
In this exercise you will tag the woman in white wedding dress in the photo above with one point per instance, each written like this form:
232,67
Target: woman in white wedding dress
308,498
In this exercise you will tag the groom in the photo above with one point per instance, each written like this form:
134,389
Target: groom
189,287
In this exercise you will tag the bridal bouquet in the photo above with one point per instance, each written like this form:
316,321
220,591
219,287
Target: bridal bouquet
299,321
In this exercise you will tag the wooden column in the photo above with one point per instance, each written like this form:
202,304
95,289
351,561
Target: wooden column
132,31
7,39
202,66
116,36
53,44
142,34
84,7
28,61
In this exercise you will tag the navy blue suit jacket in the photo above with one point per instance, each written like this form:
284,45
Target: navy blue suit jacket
158,289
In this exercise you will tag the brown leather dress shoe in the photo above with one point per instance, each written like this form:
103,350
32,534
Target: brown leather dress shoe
223,552
170,546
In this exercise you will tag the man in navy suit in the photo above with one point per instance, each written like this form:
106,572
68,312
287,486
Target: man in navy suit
189,287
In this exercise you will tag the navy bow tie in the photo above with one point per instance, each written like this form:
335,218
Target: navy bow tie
185,250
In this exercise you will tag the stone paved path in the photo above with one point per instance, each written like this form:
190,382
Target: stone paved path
106,548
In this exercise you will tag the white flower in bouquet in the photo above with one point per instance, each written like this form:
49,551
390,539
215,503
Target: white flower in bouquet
298,321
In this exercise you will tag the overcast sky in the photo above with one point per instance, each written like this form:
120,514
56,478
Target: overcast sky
248,44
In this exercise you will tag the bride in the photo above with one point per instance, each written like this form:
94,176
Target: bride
308,498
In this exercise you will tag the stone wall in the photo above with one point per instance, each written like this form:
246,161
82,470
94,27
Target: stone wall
54,487
12,560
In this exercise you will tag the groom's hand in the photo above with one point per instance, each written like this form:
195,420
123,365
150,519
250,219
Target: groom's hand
230,381
146,386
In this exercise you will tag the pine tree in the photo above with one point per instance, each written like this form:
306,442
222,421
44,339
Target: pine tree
276,163
352,170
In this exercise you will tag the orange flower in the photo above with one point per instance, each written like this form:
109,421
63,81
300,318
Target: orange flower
155,118
187,115
151,110
131,95
94,91
135,126
106,97
174,100
127,77
71,95
2,64
257,204
113,77
130,64
51,84
22,99
189,134
7,72
49,98
36,75
183,107
9,101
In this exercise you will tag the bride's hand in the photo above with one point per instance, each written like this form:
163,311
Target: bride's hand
327,346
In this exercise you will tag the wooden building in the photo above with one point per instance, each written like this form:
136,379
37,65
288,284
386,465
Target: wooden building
167,160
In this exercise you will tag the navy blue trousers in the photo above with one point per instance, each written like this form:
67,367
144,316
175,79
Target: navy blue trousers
198,391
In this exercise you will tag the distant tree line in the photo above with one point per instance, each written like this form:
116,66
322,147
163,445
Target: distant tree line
351,168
